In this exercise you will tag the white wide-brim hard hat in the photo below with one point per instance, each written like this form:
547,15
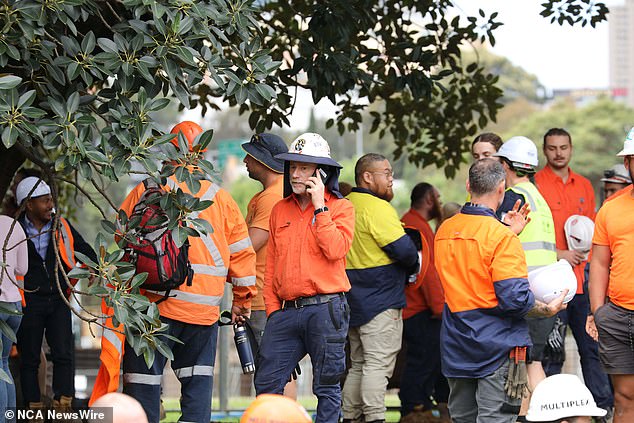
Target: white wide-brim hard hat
548,282
309,148
561,396
628,145
26,186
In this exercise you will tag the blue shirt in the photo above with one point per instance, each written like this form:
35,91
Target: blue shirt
39,238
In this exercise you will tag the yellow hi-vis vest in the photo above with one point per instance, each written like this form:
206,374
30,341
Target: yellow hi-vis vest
538,237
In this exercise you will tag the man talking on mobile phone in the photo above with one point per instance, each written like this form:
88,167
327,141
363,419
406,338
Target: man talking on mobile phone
311,231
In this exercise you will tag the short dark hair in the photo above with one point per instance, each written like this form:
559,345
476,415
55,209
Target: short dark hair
419,192
485,176
494,139
363,164
554,132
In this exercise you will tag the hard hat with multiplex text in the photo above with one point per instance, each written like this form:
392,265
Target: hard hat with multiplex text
562,396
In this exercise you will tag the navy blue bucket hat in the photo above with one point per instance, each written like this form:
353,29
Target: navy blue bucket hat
264,148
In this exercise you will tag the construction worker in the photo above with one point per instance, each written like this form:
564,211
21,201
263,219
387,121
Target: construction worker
615,179
46,312
268,170
611,291
563,399
311,232
485,145
378,264
14,256
191,311
568,193
483,272
518,156
421,381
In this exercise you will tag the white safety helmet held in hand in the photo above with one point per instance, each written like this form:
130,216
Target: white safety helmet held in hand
548,282
628,145
561,396
520,151
26,186
579,231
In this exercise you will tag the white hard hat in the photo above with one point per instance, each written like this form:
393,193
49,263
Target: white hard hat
26,185
579,230
628,145
618,174
550,281
560,396
520,151
309,148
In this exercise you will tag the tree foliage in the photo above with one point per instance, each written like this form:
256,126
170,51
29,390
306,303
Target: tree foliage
82,79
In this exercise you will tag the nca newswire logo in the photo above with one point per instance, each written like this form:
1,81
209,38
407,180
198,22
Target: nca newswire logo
101,415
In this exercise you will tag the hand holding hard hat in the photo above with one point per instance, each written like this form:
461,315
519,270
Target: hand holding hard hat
579,230
548,282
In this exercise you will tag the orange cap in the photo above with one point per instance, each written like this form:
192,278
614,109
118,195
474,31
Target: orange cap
190,130
268,408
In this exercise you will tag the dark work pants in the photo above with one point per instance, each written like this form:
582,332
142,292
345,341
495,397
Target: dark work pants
421,378
596,380
46,316
193,365
319,330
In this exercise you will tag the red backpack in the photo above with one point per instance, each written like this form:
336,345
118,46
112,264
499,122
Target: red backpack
153,250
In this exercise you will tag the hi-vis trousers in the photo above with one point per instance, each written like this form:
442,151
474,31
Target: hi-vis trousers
193,365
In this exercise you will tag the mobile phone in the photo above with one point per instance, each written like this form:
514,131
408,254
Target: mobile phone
322,172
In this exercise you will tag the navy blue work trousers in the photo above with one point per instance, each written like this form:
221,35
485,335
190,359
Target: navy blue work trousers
193,365
317,330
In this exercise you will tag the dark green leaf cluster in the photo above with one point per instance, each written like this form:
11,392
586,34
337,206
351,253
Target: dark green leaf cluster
573,12
80,83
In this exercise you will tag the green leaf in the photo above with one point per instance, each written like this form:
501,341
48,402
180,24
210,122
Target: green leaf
9,81
9,136
79,273
107,45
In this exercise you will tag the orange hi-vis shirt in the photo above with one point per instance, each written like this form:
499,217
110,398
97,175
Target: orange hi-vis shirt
429,295
258,215
576,196
614,227
306,253
225,255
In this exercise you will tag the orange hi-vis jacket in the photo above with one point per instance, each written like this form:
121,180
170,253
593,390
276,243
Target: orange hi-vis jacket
225,255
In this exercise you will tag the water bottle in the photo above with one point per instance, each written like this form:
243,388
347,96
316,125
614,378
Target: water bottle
244,349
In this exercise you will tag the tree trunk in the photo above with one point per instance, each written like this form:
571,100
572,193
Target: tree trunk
10,161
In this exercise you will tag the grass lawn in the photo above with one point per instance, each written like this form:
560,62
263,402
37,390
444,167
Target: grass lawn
238,404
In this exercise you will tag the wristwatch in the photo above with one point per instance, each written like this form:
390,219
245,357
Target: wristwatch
321,209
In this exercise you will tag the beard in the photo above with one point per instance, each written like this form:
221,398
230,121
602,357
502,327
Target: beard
436,211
